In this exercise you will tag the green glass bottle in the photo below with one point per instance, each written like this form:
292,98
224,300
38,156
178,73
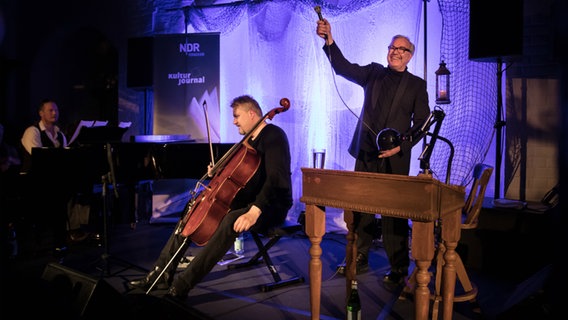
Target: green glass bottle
354,303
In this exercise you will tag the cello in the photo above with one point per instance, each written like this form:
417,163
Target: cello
209,203
207,207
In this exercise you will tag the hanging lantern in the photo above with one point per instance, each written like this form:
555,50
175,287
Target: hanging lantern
442,84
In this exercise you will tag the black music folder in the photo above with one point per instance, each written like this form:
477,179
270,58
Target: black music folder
100,135
97,132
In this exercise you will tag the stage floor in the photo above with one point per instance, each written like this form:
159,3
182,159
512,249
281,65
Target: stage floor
231,294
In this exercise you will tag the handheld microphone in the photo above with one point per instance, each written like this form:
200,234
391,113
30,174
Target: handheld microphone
318,11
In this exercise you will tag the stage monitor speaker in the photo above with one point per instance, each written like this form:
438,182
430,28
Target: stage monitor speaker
84,296
495,30
140,62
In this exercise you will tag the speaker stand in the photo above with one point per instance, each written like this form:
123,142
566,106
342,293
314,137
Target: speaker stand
499,124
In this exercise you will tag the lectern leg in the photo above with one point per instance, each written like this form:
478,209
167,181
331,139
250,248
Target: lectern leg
423,253
315,229
451,232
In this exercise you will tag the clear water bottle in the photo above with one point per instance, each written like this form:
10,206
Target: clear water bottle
240,244
354,303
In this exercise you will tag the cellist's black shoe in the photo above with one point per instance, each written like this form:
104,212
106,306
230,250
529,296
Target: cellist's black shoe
146,282
177,293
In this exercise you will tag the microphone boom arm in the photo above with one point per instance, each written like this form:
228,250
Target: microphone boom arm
435,117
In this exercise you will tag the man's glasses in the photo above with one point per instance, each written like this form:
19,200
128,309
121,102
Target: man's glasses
399,49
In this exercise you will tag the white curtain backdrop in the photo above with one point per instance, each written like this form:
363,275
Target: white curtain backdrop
270,51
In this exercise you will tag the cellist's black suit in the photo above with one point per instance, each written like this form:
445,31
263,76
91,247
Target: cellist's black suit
270,189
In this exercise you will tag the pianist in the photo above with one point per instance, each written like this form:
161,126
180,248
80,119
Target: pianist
44,133
50,198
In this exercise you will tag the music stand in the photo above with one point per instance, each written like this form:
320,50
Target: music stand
107,135
100,135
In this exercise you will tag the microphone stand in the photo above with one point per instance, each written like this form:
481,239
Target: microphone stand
435,117
426,153
107,178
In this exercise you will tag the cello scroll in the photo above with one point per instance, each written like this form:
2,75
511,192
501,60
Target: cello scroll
284,102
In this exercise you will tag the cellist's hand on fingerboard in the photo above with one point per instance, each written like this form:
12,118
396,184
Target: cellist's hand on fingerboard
210,170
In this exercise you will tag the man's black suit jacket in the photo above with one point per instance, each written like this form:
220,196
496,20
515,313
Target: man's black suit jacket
409,113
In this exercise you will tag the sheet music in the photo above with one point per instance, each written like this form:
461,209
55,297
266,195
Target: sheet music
85,123
125,124
82,123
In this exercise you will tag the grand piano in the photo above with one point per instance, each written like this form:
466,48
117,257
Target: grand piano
86,164
80,168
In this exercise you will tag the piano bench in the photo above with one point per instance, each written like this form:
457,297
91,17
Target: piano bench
286,229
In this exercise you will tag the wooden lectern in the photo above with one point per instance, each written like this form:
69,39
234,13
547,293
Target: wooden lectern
422,199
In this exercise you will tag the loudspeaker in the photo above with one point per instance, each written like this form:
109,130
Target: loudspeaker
140,62
81,295
495,30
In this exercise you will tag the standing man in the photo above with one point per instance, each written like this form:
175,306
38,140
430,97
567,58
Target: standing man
263,203
394,98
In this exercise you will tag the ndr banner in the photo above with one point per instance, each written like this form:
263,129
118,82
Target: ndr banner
186,85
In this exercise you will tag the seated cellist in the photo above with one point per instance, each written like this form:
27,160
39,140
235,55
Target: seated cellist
261,204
